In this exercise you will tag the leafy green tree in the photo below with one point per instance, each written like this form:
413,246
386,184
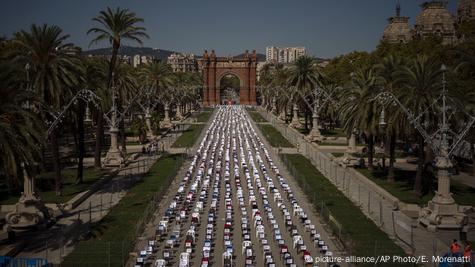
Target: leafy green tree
338,70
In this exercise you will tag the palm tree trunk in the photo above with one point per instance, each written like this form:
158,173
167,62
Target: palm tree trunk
80,122
112,63
124,138
56,163
99,135
420,167
370,152
392,157
306,118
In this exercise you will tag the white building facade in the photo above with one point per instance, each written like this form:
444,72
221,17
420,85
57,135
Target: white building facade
284,54
183,62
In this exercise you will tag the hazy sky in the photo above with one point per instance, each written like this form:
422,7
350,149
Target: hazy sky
326,27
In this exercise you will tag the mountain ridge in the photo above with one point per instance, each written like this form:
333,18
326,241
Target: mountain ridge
161,54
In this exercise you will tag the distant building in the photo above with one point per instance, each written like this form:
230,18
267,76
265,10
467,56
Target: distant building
397,30
284,54
183,62
465,10
141,59
435,19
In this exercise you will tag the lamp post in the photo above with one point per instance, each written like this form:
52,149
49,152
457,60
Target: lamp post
167,123
148,105
274,105
292,91
85,95
348,158
114,156
295,123
441,212
316,106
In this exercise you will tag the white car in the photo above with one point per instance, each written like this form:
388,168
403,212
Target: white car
184,259
160,263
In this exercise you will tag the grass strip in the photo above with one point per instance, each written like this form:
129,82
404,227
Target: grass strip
361,236
273,136
256,116
189,136
204,116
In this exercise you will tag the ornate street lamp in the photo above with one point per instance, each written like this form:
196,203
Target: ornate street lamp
147,106
316,106
114,157
442,211
88,119
57,117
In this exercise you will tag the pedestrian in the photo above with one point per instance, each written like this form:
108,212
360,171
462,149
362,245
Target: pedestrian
455,247
467,254
144,150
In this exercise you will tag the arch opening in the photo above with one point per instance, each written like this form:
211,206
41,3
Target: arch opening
229,88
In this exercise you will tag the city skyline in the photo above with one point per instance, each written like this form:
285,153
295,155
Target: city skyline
326,28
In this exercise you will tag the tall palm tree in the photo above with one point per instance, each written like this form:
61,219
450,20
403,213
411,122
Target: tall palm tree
264,83
157,75
55,68
357,109
304,77
96,80
280,77
115,26
420,86
387,73
127,88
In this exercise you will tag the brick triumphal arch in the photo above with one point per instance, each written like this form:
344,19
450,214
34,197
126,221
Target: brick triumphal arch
215,68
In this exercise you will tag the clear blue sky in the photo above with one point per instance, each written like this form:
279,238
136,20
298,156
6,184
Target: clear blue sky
326,27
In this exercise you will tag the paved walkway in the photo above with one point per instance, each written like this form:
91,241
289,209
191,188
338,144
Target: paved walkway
462,177
59,240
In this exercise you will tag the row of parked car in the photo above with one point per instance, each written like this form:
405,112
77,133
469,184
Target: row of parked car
231,153
295,207
186,200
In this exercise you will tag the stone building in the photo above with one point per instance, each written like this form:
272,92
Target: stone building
397,30
466,10
183,62
435,19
